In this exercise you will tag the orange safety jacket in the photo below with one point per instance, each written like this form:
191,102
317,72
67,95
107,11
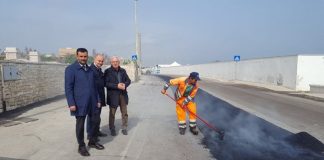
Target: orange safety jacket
182,84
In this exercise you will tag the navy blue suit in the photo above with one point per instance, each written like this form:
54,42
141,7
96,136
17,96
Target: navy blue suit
100,83
81,91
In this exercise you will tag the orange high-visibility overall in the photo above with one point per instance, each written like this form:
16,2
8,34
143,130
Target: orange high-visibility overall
184,95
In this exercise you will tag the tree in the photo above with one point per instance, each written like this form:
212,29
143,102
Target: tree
90,59
126,62
48,57
69,59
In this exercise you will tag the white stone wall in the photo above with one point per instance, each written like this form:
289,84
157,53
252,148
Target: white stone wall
276,71
310,71
281,71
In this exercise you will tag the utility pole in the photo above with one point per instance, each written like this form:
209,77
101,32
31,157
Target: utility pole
137,39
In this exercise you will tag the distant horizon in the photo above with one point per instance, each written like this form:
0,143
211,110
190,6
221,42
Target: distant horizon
185,31
213,61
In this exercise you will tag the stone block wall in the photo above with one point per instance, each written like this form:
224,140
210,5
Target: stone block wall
36,82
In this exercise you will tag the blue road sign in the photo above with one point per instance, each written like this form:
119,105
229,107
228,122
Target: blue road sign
134,57
237,58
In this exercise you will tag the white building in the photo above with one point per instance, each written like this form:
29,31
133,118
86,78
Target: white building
11,53
33,56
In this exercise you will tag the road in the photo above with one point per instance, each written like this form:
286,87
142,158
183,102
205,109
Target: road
46,131
259,122
295,114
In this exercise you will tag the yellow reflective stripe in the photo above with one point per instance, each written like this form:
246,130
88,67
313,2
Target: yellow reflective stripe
192,125
188,99
178,94
182,122
182,126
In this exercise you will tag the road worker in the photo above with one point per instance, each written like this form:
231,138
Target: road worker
187,88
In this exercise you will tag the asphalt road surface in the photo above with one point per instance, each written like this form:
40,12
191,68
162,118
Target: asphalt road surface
259,123
295,114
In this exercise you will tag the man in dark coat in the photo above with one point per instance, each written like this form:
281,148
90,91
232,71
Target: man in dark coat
82,98
117,81
100,83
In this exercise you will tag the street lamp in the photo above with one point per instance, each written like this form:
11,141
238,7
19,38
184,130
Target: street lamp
137,38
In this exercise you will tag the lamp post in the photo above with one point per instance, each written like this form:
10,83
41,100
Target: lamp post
137,39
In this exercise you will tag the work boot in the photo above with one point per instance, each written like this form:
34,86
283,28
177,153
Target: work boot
193,130
182,131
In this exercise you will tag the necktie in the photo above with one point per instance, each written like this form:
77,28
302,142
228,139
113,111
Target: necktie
84,67
100,72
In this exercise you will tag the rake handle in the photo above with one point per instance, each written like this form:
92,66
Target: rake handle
187,109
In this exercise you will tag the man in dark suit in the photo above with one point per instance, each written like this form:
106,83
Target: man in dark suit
100,83
82,98
117,81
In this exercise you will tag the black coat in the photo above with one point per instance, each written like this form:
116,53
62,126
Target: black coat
100,83
111,82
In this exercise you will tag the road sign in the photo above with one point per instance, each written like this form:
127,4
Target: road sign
237,58
134,57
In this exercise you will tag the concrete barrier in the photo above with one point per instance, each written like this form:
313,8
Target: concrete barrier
316,89
294,72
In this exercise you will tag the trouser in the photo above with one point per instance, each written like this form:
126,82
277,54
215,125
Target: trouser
80,120
123,110
181,113
97,127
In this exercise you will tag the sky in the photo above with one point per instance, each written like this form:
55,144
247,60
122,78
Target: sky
186,31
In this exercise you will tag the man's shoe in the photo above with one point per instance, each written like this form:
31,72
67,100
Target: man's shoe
113,132
83,151
96,139
96,146
182,131
193,130
124,131
100,134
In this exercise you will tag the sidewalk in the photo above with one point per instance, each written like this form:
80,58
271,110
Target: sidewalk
277,89
47,132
